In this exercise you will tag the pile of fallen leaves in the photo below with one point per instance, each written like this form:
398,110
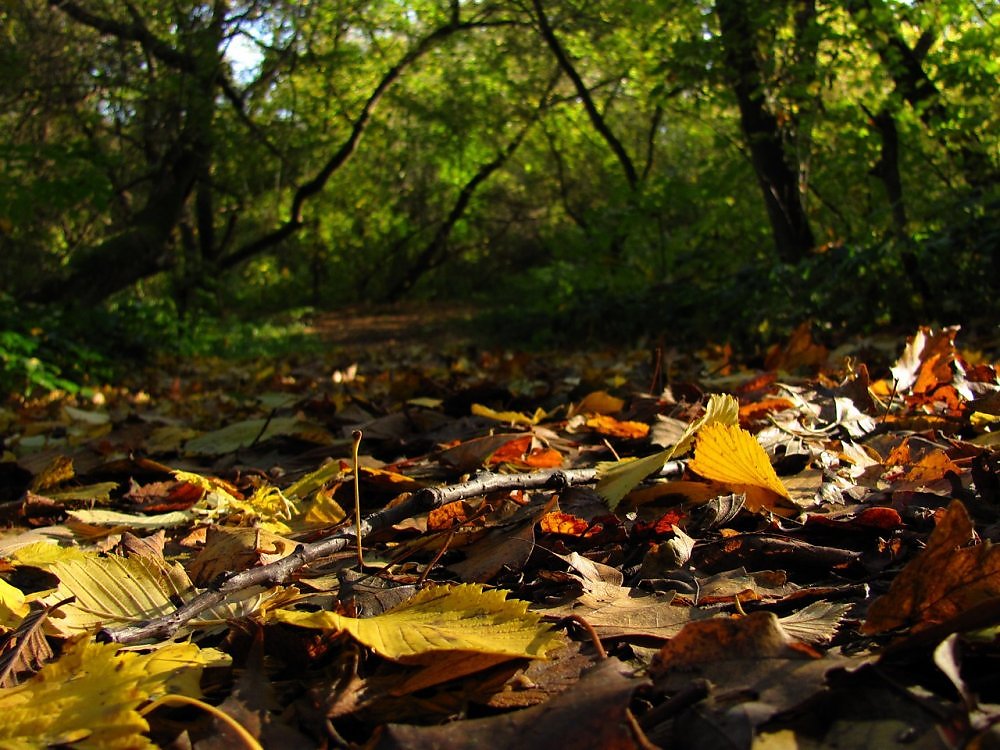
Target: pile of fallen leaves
606,550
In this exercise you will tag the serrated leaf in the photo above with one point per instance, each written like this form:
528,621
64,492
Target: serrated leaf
615,480
25,649
443,618
732,456
91,694
112,590
816,624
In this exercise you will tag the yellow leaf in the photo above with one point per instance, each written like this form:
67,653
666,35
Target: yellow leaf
132,521
619,478
112,590
732,456
313,481
599,402
513,417
90,695
443,618
13,608
41,554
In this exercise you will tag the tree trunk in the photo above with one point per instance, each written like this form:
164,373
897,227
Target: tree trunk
778,181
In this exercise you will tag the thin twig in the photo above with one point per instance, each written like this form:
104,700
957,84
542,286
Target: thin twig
594,637
280,572
356,437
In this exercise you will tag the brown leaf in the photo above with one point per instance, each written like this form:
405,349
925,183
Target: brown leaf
228,549
945,579
751,656
800,351
592,714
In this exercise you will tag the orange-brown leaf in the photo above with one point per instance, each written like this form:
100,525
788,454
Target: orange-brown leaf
760,409
946,578
564,523
614,428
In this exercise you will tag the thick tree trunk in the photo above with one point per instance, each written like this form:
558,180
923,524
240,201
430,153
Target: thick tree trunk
793,238
141,250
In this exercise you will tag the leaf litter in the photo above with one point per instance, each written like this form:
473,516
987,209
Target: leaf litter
553,551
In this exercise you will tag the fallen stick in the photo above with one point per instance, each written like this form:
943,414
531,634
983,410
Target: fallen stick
281,571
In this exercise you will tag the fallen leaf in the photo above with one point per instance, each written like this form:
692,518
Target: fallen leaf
13,607
731,456
605,425
615,480
510,417
442,618
237,548
90,696
754,655
946,578
591,714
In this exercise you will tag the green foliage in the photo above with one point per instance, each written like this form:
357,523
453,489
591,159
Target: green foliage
47,350
37,357
560,237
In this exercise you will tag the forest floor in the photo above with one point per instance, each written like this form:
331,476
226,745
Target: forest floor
592,548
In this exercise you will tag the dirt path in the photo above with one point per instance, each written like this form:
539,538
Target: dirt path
397,324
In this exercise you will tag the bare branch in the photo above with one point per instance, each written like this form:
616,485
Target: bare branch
596,118
280,572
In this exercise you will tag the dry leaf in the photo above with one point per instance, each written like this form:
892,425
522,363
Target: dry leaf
731,456
443,618
945,579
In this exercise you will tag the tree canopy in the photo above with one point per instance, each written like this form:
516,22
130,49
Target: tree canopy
729,164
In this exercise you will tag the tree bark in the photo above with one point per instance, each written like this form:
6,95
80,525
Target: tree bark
793,237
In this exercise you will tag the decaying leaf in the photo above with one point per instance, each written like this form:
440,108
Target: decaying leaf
816,624
947,577
24,649
753,654
592,714
615,610
229,549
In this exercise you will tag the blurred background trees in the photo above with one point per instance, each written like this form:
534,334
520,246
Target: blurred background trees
703,170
